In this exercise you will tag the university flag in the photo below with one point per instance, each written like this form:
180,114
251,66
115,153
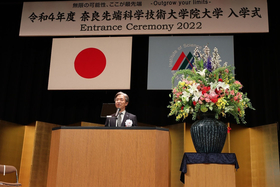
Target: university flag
90,63
169,54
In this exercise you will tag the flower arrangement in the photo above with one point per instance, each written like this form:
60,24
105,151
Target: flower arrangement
208,86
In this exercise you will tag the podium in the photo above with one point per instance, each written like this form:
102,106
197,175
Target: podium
106,157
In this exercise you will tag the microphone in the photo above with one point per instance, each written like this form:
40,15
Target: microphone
118,111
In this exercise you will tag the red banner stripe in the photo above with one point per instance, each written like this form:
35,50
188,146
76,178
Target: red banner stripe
179,61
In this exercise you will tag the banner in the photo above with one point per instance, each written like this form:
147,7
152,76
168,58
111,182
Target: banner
90,63
65,18
170,54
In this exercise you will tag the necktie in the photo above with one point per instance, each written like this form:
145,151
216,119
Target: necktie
119,122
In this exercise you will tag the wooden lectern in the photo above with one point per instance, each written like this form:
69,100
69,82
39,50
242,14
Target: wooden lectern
106,157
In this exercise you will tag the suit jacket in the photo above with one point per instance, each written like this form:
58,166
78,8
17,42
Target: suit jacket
111,122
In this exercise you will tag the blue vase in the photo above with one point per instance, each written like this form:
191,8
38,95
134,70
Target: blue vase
208,134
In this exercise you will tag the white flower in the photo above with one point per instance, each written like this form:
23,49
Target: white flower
216,59
206,50
196,96
218,85
196,53
128,123
222,85
185,96
213,85
202,73
193,88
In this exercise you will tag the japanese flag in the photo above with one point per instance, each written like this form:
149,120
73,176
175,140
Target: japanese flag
90,63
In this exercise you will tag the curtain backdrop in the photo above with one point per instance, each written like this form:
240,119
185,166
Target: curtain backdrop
24,70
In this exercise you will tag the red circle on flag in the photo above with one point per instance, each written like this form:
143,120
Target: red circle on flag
90,63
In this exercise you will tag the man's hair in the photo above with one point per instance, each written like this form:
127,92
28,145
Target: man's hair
124,94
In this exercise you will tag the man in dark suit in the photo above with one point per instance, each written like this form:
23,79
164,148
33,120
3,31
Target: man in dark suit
123,118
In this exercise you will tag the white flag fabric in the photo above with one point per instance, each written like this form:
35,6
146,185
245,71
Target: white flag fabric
90,63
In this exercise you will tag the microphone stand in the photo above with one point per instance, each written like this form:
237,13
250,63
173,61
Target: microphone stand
115,117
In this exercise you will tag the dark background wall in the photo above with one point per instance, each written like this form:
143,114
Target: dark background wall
24,68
